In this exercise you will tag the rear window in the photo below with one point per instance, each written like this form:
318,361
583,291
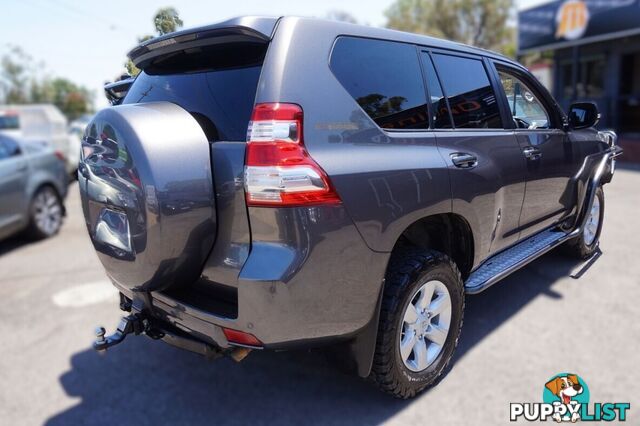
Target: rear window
385,79
9,122
471,98
216,86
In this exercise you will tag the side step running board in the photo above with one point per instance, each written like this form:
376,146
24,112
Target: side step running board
509,261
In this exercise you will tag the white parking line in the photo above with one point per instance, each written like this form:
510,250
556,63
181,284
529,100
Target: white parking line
85,295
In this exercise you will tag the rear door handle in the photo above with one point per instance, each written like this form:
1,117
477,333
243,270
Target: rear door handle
464,160
532,153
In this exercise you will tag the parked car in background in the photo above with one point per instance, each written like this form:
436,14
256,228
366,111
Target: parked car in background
33,186
278,183
78,126
42,122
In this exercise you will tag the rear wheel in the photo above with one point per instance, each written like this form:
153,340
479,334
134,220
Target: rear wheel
420,322
584,245
45,214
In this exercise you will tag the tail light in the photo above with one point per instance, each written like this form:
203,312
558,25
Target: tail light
60,155
279,170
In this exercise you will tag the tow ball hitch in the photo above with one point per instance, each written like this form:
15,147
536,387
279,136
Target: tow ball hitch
139,323
133,323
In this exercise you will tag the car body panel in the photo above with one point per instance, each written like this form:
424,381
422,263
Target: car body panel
21,176
489,196
13,189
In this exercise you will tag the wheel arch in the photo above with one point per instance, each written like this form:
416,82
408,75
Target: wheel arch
449,233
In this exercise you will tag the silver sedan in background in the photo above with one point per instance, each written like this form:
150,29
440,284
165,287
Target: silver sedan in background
33,186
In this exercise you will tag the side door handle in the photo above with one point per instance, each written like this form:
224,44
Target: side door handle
464,160
532,153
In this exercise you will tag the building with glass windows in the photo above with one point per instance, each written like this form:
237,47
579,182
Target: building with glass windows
589,50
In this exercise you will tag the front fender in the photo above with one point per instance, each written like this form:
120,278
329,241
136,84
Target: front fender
597,169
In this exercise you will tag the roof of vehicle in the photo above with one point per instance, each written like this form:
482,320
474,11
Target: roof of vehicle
262,28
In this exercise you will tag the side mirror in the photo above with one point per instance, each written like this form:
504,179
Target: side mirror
116,91
583,115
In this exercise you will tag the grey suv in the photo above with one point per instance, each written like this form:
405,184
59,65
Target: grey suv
280,183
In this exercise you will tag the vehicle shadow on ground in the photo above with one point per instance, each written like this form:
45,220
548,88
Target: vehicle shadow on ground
14,243
145,382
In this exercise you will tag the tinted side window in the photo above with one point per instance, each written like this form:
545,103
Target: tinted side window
439,109
385,79
471,98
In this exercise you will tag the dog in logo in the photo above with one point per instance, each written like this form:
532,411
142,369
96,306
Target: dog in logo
565,388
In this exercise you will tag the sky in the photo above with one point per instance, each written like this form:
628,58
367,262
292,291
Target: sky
87,41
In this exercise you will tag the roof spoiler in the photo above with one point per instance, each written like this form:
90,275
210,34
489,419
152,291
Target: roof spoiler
245,29
116,91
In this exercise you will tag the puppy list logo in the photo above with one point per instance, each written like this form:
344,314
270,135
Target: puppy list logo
566,399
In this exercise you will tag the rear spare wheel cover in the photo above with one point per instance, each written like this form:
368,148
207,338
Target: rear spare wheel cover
147,194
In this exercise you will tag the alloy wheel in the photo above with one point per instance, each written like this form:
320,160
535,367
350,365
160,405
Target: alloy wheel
425,326
593,222
47,211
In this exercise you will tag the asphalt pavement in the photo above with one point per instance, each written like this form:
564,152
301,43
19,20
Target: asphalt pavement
533,325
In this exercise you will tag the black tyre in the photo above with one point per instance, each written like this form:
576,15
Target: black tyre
420,322
584,245
45,214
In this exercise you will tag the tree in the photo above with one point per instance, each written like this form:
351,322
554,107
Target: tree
21,83
72,99
165,21
342,16
15,76
482,23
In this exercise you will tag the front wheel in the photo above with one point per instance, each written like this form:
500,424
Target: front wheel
45,214
584,245
420,322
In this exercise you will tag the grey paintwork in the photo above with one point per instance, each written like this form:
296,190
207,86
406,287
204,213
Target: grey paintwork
247,28
21,175
381,202
308,275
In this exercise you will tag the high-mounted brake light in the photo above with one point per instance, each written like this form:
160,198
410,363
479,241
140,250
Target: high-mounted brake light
279,170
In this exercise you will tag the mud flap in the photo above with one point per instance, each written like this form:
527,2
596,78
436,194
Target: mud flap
356,355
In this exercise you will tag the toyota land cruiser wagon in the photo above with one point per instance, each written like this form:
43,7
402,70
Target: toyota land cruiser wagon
281,183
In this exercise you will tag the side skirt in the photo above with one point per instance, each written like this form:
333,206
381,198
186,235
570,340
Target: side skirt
510,260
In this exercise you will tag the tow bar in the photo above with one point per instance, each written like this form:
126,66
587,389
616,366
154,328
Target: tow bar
139,323
133,323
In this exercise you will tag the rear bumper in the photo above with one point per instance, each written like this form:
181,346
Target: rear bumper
309,280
